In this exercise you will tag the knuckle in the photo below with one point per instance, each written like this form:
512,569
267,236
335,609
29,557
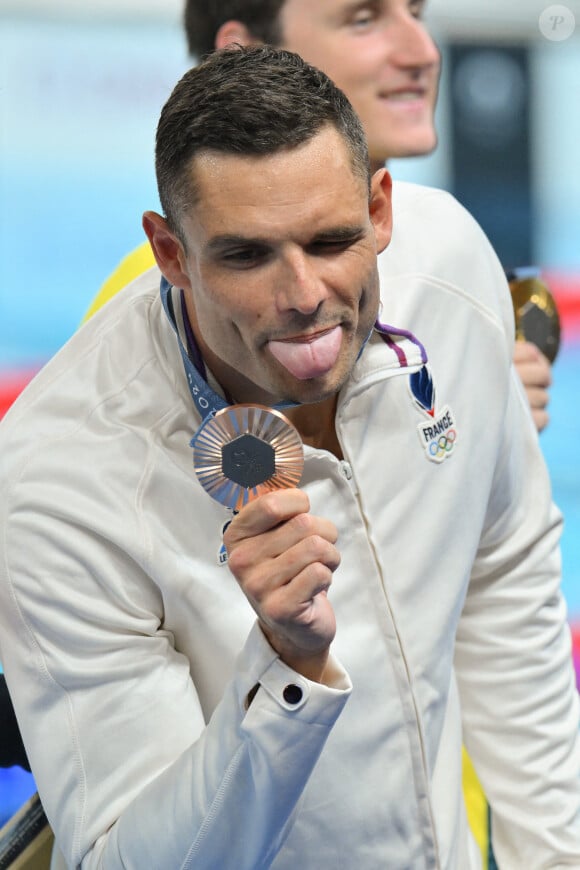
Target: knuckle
239,560
274,508
323,552
304,524
256,588
271,509
315,546
321,574
253,589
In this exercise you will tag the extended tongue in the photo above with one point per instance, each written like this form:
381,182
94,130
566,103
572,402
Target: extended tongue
309,359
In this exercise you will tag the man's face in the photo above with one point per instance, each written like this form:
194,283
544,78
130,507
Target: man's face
282,286
381,56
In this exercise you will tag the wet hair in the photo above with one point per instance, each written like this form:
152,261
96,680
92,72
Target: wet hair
203,19
251,101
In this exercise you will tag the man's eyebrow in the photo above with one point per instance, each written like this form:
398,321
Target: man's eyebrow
342,233
355,5
233,240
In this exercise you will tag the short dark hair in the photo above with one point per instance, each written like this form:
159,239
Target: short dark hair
203,19
255,100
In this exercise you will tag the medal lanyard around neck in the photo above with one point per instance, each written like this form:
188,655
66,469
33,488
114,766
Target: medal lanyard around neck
206,400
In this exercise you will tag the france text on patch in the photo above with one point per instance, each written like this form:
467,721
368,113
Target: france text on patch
439,435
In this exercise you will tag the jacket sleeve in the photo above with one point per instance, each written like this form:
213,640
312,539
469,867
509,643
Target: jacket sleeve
130,772
514,663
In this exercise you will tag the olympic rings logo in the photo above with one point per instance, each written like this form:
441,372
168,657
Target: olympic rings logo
442,446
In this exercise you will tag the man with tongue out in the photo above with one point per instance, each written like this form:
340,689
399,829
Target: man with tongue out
288,686
310,355
383,58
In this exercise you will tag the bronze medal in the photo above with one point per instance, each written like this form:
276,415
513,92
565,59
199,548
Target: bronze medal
244,451
536,315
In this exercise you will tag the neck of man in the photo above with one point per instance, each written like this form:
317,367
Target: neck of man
316,424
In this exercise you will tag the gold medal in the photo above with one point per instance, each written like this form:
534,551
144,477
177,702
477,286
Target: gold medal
244,451
536,314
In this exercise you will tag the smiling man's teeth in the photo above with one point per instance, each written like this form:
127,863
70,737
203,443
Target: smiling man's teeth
309,359
405,95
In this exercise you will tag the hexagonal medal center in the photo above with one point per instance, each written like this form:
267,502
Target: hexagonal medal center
248,461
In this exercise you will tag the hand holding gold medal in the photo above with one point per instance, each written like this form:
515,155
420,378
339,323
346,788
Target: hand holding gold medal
536,314
244,451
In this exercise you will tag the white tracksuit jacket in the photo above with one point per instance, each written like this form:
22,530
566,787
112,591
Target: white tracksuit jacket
130,650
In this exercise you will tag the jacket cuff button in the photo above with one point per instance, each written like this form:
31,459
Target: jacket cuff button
292,694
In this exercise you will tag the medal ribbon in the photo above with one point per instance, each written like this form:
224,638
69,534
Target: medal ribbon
386,331
206,400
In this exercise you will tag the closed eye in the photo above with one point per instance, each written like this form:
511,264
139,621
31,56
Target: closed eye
243,257
334,244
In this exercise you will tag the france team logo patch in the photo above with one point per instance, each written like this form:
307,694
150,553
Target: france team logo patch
423,390
439,435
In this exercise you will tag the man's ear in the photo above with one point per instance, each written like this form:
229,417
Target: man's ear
167,250
233,33
380,208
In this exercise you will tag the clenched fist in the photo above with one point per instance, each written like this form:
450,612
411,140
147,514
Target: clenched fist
283,557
